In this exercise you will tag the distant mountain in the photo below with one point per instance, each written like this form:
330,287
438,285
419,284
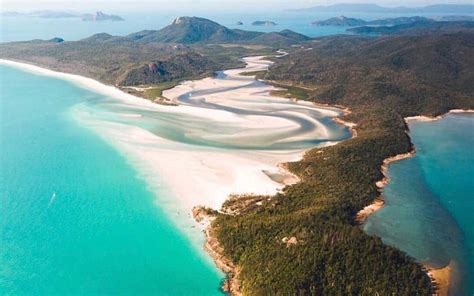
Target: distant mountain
418,28
190,30
374,8
340,21
264,23
100,16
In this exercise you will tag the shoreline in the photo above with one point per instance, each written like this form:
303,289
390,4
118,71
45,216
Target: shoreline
440,277
247,164
212,246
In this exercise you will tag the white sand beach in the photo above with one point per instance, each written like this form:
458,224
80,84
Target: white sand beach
226,135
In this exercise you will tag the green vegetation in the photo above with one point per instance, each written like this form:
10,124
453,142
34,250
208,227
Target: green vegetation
254,73
157,90
382,81
295,92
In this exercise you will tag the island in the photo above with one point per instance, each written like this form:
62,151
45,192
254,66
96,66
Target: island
305,239
264,23
340,21
344,21
415,28
100,16
374,8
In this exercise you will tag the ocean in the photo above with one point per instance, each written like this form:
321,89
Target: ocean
429,199
76,218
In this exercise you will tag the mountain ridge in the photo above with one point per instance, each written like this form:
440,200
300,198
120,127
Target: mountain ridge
196,30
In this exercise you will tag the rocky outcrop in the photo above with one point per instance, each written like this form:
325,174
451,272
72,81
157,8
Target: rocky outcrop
205,217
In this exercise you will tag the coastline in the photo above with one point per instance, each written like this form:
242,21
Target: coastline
212,246
440,277
268,185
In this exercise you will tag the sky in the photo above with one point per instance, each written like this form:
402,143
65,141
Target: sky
199,5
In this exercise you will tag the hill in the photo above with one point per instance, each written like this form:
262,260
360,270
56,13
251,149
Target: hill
382,80
194,30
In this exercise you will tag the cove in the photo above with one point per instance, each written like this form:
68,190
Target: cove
429,199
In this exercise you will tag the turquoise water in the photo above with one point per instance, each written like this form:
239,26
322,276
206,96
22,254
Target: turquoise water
75,219
430,201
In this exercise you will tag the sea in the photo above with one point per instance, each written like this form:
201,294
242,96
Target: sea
77,218
429,200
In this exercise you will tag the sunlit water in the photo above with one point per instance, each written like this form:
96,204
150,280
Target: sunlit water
430,201
87,181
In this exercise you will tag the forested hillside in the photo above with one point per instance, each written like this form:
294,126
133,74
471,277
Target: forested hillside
382,81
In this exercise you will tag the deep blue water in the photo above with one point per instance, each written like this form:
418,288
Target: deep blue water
430,200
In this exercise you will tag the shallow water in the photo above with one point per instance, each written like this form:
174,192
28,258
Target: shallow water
75,218
429,199
97,189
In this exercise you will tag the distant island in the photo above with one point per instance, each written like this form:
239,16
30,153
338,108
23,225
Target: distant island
100,16
374,8
264,23
97,16
343,21
340,21
417,28
239,23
